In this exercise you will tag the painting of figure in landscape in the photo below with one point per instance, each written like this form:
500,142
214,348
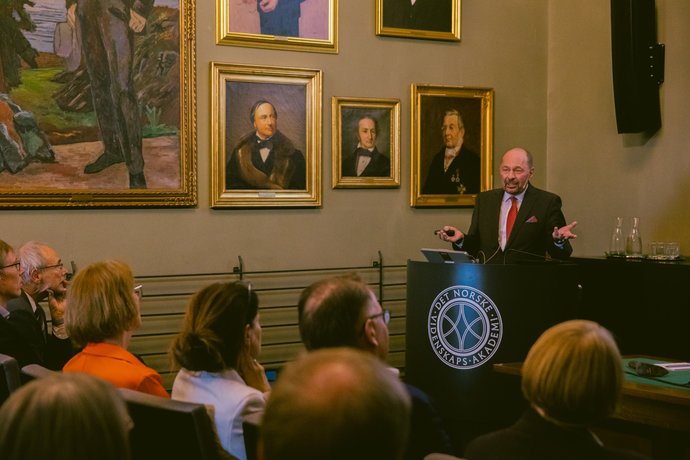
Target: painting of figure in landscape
90,96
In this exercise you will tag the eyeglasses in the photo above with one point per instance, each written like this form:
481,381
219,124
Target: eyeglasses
139,291
385,313
16,265
57,265
248,285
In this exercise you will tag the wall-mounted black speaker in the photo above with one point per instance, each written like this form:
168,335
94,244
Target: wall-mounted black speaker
638,65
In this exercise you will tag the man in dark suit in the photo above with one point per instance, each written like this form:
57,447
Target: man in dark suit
265,158
106,30
43,278
455,169
19,336
279,17
516,223
343,311
434,15
366,160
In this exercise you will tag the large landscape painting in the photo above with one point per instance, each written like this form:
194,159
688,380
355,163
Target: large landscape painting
97,103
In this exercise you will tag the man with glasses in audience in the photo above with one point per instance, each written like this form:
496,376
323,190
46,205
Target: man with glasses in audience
18,335
44,278
343,311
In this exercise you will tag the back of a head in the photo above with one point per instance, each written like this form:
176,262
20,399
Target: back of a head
101,303
70,416
574,373
338,404
212,336
331,310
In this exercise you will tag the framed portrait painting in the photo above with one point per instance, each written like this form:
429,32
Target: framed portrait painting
426,19
83,127
452,145
298,25
266,136
366,143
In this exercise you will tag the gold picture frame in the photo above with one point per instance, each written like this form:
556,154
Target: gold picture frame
311,25
287,173
378,121
426,19
440,116
71,136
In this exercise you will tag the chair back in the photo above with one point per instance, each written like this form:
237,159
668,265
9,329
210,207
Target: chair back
34,371
9,377
251,425
165,428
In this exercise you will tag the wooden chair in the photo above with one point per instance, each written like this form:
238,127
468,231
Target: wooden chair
165,428
9,377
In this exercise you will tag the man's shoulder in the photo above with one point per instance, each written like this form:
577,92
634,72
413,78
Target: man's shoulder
20,303
541,194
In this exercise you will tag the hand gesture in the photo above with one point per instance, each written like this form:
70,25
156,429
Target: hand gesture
252,372
268,5
446,231
564,233
136,21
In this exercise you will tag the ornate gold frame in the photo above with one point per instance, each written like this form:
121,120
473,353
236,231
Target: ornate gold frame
273,80
391,31
13,196
226,36
364,106
429,103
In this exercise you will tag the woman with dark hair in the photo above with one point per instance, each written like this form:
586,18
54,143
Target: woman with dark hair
217,350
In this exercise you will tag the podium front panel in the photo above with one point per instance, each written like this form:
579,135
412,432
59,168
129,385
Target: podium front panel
462,318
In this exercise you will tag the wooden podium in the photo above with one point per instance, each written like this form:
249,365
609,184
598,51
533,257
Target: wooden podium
462,318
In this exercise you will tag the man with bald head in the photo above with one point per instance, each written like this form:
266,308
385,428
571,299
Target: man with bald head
515,223
339,404
342,311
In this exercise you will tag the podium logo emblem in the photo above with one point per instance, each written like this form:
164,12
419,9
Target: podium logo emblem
464,326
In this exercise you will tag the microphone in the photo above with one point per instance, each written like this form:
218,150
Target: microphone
448,232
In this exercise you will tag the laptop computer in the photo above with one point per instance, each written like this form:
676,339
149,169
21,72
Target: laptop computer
446,256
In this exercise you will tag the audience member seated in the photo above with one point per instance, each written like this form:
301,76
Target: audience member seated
19,337
572,378
336,404
103,310
343,311
44,278
65,417
217,350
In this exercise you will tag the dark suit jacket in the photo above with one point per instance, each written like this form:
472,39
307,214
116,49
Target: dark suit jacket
464,171
433,15
427,434
20,339
531,238
379,166
283,21
533,438
51,351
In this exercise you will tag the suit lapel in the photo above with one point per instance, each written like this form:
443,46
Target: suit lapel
495,211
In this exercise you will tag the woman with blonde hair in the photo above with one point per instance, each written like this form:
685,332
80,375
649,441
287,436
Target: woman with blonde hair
572,378
103,311
217,350
65,417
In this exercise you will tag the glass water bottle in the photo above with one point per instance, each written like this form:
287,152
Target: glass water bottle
633,244
617,247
